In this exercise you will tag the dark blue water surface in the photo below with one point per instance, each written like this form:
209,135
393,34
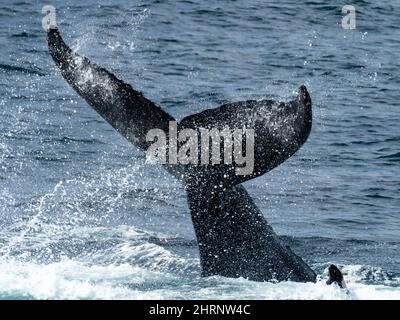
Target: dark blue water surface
83,216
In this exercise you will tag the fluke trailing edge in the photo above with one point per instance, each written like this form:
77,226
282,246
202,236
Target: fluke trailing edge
233,236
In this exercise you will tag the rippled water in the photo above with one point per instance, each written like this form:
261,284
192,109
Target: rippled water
82,216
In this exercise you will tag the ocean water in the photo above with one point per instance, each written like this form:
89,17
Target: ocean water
82,216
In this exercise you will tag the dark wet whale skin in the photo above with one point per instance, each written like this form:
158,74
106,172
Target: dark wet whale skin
234,238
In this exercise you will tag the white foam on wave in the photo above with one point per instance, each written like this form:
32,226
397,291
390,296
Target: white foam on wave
69,279
133,268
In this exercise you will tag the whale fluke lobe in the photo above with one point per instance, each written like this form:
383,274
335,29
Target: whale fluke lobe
234,237
280,129
126,109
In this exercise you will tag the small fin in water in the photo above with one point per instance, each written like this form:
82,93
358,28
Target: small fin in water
336,276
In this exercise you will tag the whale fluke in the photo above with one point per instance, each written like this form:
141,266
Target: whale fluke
234,238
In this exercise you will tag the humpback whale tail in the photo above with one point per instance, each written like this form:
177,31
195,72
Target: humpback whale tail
234,238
